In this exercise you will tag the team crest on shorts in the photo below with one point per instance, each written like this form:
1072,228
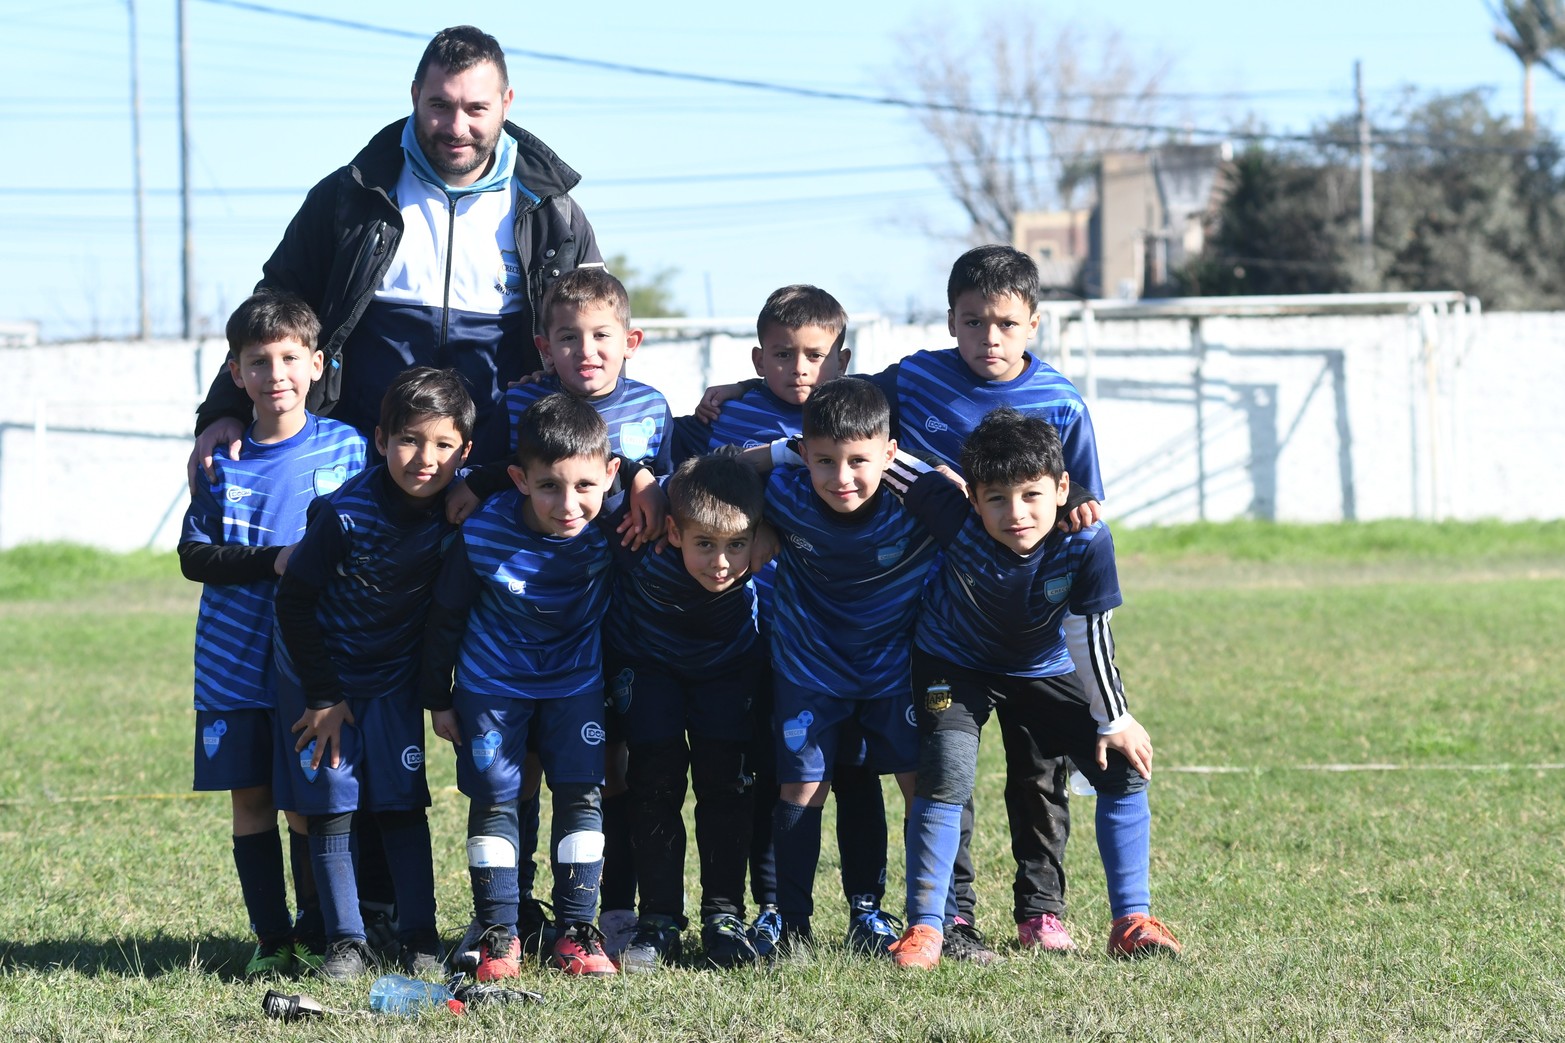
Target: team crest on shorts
620,690
796,730
328,479
937,697
1057,589
305,756
592,734
212,737
485,749
635,437
412,758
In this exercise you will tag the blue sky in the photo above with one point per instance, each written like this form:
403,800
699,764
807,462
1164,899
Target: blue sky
741,191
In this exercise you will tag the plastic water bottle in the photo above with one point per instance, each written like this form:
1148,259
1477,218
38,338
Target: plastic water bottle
1079,786
399,994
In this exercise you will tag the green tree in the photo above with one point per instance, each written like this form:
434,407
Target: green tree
1532,30
651,294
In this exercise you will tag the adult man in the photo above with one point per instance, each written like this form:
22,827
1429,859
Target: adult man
432,247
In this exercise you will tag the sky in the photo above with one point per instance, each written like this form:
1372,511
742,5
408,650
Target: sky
736,191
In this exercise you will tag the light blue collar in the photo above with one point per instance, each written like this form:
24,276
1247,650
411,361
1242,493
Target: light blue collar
498,177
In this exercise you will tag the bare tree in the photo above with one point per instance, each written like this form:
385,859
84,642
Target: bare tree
1020,109
1532,30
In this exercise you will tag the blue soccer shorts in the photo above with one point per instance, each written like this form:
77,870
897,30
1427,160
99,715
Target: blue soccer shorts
380,766
233,749
495,740
810,728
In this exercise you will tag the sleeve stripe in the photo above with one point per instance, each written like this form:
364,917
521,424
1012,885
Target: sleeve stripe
1105,675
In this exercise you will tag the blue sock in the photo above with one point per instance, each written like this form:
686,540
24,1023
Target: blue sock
331,856
493,860
796,835
934,832
576,891
1124,824
405,835
259,859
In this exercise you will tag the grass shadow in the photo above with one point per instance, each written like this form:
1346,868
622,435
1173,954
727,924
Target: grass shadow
152,957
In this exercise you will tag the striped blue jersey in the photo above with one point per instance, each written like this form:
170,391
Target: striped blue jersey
991,609
938,402
373,557
641,427
847,589
661,613
535,604
258,500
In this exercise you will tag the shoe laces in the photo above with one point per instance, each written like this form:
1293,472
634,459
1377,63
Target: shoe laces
880,922
586,937
769,922
496,941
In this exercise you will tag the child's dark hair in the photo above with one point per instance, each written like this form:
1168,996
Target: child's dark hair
800,305
995,271
846,409
585,286
271,315
558,427
458,49
423,392
1008,448
717,493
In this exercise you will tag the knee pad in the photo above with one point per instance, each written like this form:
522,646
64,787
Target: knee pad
718,766
947,767
584,846
491,853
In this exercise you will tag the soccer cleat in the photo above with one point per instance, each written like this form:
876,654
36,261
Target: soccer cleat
535,926
655,943
618,927
270,958
499,954
965,942
345,959
873,931
1046,932
766,932
726,942
579,950
918,949
1141,934
380,927
420,955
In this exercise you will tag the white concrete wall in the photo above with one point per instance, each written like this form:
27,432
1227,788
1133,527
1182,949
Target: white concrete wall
1300,419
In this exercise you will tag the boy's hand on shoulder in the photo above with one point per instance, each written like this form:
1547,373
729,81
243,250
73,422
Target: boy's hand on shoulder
1083,515
644,521
954,478
712,402
1133,743
536,376
223,429
281,564
763,547
445,724
324,728
461,502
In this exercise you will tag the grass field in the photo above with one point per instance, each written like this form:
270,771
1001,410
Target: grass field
1419,895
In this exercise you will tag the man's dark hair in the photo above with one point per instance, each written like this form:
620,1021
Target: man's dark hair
995,271
583,286
461,47
716,492
558,427
1008,448
847,409
271,315
800,305
424,392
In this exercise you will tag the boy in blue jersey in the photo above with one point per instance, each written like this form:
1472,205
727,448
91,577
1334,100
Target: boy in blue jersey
990,639
937,399
852,563
684,657
350,613
517,614
237,537
800,345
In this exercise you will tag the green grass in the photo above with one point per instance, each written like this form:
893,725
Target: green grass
1422,901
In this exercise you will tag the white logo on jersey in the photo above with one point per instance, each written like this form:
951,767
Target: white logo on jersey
934,426
235,494
517,586
412,758
800,542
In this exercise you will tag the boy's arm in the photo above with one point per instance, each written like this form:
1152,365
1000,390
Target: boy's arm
1092,650
932,493
493,441
690,437
663,463
712,401
455,590
223,564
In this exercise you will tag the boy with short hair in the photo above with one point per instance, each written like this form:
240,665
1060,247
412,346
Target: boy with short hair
238,533
801,335
851,566
350,614
683,656
990,639
937,399
518,608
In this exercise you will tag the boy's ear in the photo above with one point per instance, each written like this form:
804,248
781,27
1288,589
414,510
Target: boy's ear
951,321
613,467
233,374
380,441
844,356
633,338
518,477
1064,489
891,449
542,344
756,354
317,365
461,456
1032,325
673,532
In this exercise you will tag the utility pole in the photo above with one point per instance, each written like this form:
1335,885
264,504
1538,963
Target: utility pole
1366,181
187,259
145,327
